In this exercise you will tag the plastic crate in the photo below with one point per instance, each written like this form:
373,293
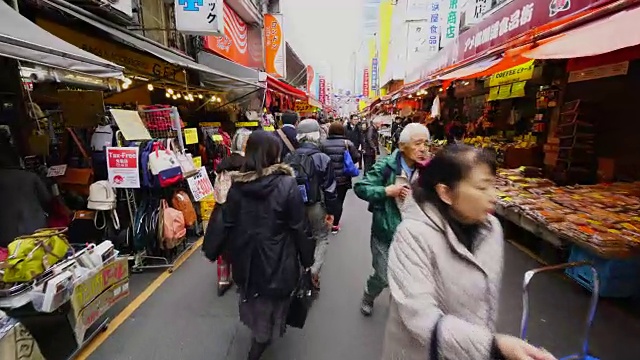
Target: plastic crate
618,278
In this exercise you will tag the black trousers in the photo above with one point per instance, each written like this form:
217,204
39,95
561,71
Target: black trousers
369,160
342,194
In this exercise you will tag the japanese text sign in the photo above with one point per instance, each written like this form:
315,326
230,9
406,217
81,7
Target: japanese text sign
475,13
365,83
190,136
322,82
200,17
303,107
200,185
123,167
518,73
435,12
374,75
274,45
450,21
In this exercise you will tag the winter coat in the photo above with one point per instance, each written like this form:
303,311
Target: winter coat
263,227
433,277
291,133
370,146
386,215
334,146
354,133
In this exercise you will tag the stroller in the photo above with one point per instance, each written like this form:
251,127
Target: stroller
528,276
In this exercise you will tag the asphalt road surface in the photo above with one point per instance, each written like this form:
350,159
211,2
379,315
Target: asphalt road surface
185,319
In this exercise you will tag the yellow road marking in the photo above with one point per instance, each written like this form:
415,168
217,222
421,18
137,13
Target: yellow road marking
92,346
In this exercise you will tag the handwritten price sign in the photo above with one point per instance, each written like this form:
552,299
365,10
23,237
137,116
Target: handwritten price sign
200,185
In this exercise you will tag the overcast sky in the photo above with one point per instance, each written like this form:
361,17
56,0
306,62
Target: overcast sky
325,33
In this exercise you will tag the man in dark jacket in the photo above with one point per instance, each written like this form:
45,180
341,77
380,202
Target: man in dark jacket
335,146
370,147
321,213
290,120
353,132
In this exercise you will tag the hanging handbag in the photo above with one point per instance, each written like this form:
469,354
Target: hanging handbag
350,168
184,159
77,179
301,300
161,159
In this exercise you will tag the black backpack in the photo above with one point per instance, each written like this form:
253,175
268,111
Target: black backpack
306,176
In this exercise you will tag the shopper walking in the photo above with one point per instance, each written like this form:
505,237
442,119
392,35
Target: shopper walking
354,133
221,187
385,187
335,146
370,146
263,227
287,134
445,266
316,179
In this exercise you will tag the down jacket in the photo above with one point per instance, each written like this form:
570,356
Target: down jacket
263,226
334,146
433,276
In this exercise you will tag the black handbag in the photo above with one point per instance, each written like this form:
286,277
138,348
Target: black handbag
300,302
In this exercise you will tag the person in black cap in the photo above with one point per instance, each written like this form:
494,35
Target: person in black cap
288,133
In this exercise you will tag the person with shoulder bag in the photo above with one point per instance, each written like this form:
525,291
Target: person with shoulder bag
445,266
263,227
344,155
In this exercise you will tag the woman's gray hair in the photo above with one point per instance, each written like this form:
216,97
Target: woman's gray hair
309,137
412,130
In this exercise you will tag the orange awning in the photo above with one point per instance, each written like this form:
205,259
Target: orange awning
471,69
612,33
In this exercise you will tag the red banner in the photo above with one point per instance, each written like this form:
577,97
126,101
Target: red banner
322,91
241,43
507,23
365,83
309,79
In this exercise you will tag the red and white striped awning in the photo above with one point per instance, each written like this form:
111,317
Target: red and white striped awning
284,88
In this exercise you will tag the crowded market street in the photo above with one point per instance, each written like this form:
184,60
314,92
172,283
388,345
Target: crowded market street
205,326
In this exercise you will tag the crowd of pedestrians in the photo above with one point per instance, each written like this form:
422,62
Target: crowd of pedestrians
434,242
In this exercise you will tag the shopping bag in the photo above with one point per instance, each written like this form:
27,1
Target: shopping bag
350,168
300,302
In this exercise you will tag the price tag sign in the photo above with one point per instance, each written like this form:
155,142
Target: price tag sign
57,170
200,185
197,162
216,137
190,136
268,128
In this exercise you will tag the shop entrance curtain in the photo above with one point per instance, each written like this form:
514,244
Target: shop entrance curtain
23,40
612,33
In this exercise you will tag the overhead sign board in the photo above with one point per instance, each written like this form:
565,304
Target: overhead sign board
197,17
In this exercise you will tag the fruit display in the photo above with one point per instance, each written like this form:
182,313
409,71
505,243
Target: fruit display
604,218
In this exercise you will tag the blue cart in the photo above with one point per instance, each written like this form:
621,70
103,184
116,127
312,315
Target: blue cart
528,276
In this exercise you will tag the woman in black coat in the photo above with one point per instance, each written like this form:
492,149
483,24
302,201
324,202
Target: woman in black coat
263,227
334,146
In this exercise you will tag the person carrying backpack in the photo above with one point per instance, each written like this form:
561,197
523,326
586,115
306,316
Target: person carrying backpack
317,184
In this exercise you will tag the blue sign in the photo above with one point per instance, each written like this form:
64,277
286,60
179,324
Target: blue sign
191,5
374,74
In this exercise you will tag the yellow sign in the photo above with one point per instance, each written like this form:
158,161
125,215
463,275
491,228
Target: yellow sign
217,137
504,92
120,54
268,128
210,124
493,93
240,124
303,107
191,136
517,89
518,73
197,162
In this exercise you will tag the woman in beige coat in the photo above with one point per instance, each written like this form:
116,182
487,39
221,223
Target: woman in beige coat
445,267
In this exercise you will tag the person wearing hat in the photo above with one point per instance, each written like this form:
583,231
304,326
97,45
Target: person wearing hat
321,194
287,134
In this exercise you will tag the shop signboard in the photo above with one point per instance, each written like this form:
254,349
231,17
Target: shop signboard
92,297
322,89
301,107
374,75
190,136
274,46
476,10
239,42
116,53
518,73
123,167
450,21
200,185
599,72
365,83
195,17
503,25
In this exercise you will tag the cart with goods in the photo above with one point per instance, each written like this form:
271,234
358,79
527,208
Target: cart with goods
528,276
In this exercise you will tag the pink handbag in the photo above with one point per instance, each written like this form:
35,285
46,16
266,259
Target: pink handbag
173,226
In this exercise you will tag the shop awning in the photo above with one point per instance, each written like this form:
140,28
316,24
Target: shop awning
471,69
149,46
249,76
612,33
284,88
23,40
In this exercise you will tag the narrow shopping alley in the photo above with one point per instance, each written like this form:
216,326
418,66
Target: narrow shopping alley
185,319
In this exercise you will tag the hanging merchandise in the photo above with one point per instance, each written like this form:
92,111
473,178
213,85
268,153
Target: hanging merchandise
102,198
182,202
184,159
173,226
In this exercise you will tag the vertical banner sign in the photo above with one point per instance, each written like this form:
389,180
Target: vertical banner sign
450,21
123,167
328,96
323,90
310,79
274,45
435,11
365,83
374,76
200,185
197,17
